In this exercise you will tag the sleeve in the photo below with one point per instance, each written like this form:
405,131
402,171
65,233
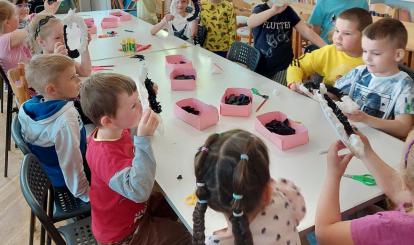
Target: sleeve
135,182
294,17
307,65
67,145
5,42
345,82
316,17
292,193
232,24
367,228
405,101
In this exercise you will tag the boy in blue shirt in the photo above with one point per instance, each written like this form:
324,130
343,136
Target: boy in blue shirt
51,125
326,11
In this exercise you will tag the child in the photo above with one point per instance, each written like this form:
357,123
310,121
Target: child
333,61
176,22
23,9
50,124
232,174
384,228
123,168
146,11
12,41
325,12
46,36
272,33
384,94
219,18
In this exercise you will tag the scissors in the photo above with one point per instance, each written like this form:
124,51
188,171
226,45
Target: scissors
365,179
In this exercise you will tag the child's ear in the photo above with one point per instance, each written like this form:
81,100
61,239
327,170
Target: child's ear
105,121
50,89
267,194
399,55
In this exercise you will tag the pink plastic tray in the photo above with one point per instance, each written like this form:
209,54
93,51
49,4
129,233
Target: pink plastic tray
283,142
180,85
109,22
236,110
208,114
122,15
176,61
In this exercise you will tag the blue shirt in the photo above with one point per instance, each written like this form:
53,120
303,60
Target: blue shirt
326,11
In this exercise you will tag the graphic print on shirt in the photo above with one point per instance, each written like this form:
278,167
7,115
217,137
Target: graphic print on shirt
371,102
275,38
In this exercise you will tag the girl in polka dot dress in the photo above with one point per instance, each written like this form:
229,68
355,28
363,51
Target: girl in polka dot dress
232,174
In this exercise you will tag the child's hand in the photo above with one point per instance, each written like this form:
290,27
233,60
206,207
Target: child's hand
357,116
168,17
148,123
52,8
60,49
367,146
89,38
277,10
336,164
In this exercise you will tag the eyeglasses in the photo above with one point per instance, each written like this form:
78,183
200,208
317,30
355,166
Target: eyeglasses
23,5
43,22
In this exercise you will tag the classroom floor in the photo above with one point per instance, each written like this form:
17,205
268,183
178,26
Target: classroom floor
14,211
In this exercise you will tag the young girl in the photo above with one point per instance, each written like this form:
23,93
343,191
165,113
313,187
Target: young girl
219,18
176,22
13,48
232,174
272,33
46,36
23,10
389,227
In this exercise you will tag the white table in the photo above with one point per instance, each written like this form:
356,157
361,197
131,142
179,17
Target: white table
175,149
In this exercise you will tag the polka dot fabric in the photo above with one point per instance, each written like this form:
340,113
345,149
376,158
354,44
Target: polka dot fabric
275,224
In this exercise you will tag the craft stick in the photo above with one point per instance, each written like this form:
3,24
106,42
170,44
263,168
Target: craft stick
261,104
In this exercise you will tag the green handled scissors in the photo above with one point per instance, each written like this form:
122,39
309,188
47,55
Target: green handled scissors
365,179
256,92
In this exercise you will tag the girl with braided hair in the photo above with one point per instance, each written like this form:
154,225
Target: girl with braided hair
232,174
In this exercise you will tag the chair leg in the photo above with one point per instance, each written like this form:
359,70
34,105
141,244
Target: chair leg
42,236
32,227
8,130
1,95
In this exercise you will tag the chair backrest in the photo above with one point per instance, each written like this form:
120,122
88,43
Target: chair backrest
380,9
407,69
17,136
245,54
35,187
19,84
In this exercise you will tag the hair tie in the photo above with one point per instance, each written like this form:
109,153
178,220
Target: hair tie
244,157
237,197
204,149
238,214
408,152
199,184
202,201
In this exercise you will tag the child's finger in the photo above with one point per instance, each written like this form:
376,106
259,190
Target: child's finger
145,116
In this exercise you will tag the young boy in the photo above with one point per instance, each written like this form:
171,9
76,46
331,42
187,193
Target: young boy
51,125
333,61
385,94
123,168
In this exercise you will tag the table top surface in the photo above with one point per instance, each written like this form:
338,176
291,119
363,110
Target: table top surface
176,145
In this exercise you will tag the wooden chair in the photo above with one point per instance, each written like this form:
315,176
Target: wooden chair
18,83
384,10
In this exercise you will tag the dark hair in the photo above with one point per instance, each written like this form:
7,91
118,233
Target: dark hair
359,16
232,172
99,94
388,28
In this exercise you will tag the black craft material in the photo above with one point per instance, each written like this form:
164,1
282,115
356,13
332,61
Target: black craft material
196,11
152,96
191,110
281,128
71,53
185,77
241,99
338,113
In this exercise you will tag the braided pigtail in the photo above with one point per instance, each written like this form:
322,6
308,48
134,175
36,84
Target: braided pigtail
238,218
201,192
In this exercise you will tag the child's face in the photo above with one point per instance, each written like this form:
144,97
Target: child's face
55,35
68,84
23,10
182,5
129,111
380,56
12,23
346,37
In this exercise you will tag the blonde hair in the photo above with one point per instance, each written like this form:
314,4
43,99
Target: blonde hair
99,94
46,68
37,29
7,10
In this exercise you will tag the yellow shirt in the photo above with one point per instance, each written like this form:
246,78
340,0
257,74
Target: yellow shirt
220,22
328,62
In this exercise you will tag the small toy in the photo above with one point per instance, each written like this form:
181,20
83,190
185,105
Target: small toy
366,179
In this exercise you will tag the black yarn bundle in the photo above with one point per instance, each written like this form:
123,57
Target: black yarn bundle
191,110
281,128
71,53
152,96
341,117
241,99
